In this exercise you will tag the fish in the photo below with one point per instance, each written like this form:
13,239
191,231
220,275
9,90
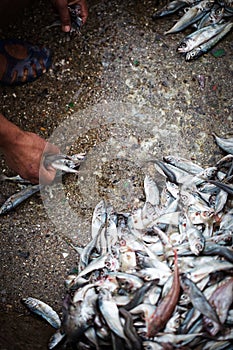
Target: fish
13,201
199,37
130,331
110,312
154,275
221,300
169,9
44,310
164,310
183,164
205,47
78,316
151,190
17,179
224,143
199,301
191,16
215,15
55,339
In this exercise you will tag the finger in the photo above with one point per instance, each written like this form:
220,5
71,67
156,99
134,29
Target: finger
61,6
47,175
84,12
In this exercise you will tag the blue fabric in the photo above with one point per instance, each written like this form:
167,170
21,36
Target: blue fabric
37,60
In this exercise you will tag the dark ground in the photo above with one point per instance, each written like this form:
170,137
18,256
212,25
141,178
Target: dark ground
131,98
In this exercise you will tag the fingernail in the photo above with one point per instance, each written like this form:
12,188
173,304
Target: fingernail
66,28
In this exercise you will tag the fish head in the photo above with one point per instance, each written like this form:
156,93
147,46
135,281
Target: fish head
193,54
184,46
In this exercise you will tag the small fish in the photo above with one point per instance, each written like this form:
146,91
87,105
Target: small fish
44,310
198,299
77,317
170,8
110,312
215,15
221,300
130,330
225,143
17,198
199,37
204,48
195,237
167,305
16,178
192,15
151,190
55,339
183,164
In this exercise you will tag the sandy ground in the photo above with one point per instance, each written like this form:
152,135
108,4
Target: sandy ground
120,92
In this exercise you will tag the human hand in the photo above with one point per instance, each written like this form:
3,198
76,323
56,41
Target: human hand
62,8
25,156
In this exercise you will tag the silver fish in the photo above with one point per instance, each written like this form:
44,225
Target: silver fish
199,37
44,310
110,313
215,15
225,143
16,178
17,198
55,339
191,16
78,316
151,190
170,8
204,48
198,299
183,164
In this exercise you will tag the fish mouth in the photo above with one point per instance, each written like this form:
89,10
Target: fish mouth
181,49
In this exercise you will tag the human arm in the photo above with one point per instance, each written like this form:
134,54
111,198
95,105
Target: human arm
62,8
23,152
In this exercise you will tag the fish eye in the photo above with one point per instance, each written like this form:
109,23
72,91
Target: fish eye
209,325
183,45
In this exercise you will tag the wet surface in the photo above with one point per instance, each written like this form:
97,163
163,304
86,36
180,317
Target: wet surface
119,92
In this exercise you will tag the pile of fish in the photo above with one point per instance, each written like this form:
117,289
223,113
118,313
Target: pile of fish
61,162
161,276
211,20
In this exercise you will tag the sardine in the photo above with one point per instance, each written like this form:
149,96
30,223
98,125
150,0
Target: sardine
17,179
215,15
199,37
17,198
198,299
110,312
191,16
44,310
183,164
204,48
169,9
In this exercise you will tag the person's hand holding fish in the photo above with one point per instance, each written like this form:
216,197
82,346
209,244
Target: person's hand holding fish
64,14
23,152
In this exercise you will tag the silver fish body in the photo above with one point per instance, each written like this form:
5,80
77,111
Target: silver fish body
17,198
44,310
199,37
191,16
205,47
